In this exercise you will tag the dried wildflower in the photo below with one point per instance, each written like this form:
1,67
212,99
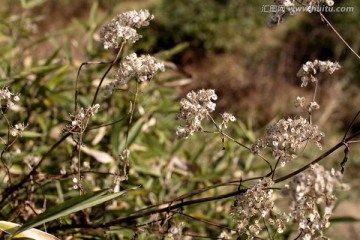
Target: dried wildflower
194,108
75,183
252,206
125,155
123,26
175,232
281,7
9,97
17,129
309,191
224,235
142,68
300,101
78,121
287,136
31,160
226,117
308,71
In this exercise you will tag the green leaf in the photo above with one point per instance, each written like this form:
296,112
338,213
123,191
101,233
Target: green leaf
58,77
33,233
134,132
344,219
31,134
93,13
168,54
52,57
70,206
28,4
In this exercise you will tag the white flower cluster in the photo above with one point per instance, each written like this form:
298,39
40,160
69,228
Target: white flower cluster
253,206
316,3
175,232
194,108
17,129
309,191
289,6
300,102
308,71
9,97
224,235
78,122
123,26
226,117
142,68
287,136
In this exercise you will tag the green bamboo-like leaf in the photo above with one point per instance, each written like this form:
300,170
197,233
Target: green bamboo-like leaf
134,132
167,54
92,15
344,219
70,206
27,4
32,233
52,57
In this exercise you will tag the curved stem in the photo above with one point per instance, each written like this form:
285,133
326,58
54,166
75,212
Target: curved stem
107,71
77,79
350,126
327,153
336,32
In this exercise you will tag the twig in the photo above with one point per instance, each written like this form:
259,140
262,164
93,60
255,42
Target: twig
336,32
327,153
107,71
350,126
77,79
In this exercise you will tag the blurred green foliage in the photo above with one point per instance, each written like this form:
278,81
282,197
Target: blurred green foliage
218,25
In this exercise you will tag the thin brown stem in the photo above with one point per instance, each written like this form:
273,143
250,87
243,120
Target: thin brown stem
103,125
350,126
7,146
107,71
337,33
327,153
206,222
129,127
77,79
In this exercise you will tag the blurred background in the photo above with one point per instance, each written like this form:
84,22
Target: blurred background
225,45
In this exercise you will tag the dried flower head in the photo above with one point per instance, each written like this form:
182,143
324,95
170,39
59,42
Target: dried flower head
175,232
309,191
79,120
287,136
9,97
17,129
300,102
123,26
142,68
226,117
281,7
309,70
194,108
224,235
254,205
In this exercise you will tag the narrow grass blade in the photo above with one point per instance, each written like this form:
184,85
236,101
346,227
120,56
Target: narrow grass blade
70,206
32,233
